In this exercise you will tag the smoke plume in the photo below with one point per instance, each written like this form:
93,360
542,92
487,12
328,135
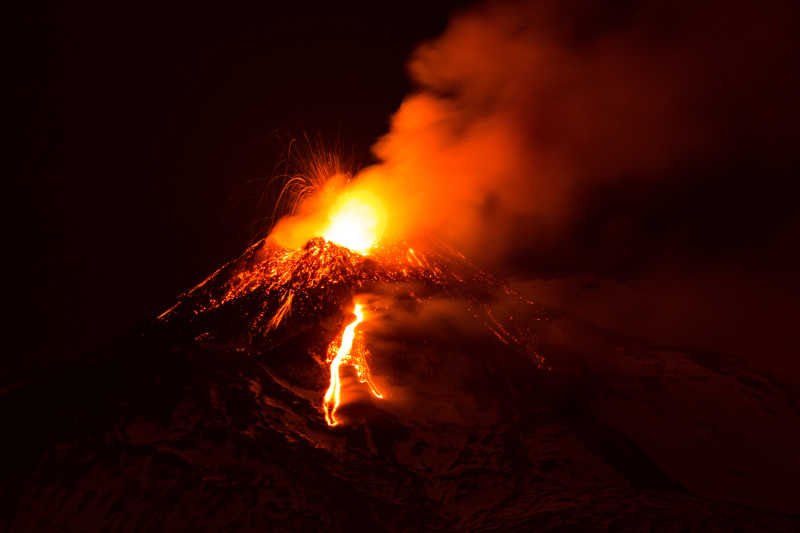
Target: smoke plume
542,127
602,153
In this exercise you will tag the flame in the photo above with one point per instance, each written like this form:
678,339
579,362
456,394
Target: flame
343,354
356,221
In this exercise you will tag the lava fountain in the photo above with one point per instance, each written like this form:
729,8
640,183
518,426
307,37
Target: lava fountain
356,221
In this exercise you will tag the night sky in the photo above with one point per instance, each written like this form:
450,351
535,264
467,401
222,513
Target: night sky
149,133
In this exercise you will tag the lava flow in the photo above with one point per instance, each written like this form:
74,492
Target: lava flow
347,352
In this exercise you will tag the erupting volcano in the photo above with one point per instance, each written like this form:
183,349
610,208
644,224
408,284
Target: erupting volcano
347,378
345,257
543,291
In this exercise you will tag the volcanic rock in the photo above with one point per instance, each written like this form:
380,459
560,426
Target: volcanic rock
499,415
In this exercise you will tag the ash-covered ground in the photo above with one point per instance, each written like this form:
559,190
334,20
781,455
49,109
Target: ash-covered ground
498,416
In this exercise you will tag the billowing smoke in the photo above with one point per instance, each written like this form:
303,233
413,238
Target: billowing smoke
630,161
603,152
542,127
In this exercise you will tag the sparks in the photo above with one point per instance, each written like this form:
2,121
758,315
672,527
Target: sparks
343,354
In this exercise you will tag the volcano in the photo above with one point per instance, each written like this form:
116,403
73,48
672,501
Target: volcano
494,413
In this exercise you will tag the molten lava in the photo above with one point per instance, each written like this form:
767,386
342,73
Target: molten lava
346,353
356,221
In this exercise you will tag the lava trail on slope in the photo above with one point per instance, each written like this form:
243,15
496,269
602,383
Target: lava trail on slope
211,417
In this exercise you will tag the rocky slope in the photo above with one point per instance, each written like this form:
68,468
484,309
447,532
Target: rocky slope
195,423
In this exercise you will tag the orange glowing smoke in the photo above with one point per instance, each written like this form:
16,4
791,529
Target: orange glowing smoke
339,210
346,353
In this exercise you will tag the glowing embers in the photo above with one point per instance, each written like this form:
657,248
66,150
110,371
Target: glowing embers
349,351
356,221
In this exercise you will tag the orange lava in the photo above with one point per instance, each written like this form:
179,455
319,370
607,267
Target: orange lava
346,353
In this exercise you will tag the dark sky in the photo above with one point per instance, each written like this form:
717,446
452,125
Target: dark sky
149,133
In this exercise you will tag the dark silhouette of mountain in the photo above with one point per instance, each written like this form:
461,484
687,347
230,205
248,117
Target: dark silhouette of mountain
498,416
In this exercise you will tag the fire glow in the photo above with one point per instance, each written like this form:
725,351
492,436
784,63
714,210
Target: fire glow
351,352
345,247
357,221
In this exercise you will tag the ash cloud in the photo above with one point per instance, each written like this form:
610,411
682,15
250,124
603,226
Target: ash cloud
581,132
636,145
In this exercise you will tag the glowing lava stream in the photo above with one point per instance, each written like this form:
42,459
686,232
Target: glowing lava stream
346,353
